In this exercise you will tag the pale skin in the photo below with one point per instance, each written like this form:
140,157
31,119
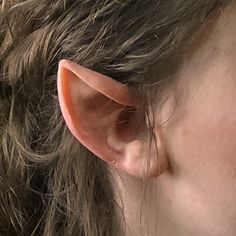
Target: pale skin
195,192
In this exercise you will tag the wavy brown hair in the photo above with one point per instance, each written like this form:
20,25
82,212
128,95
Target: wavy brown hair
50,184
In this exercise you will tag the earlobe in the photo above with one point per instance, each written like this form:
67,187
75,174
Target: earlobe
102,114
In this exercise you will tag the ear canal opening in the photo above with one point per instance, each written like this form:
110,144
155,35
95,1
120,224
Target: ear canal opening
131,124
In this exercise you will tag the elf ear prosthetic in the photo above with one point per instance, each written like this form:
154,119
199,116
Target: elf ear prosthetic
100,113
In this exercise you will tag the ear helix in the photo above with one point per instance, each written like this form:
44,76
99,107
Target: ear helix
120,93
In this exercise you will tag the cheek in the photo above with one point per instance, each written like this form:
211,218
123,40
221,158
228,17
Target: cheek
202,135
208,149
204,160
201,185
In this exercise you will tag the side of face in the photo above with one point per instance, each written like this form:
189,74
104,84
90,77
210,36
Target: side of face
196,164
200,137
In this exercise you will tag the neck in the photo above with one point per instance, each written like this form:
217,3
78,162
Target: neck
138,205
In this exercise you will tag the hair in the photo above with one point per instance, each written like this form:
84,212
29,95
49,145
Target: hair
50,184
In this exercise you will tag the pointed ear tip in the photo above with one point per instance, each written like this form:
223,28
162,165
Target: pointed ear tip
62,63
63,60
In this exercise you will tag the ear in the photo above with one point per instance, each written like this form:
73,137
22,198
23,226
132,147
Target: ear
103,115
